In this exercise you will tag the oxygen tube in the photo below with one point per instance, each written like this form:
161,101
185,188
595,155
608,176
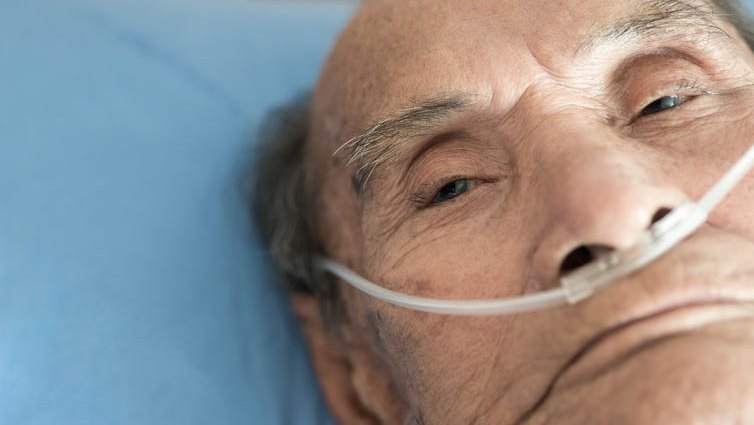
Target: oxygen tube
582,283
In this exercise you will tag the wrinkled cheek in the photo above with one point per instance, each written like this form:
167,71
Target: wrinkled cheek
468,368
462,367
441,364
736,213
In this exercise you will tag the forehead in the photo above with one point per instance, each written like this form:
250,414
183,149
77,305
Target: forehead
396,52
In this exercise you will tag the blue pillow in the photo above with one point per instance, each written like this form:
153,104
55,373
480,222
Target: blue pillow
130,289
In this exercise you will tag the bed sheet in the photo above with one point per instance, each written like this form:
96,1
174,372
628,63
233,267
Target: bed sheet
131,290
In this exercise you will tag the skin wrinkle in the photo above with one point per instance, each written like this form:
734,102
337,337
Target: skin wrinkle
698,119
403,345
668,15
377,145
431,227
656,135
431,372
366,149
503,335
577,356
461,142
391,226
654,343
418,245
427,388
390,217
469,381
626,76
497,360
408,251
406,344
405,250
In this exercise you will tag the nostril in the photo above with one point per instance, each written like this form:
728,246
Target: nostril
575,259
582,256
660,214
585,254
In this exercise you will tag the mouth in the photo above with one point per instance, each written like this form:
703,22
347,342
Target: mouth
616,344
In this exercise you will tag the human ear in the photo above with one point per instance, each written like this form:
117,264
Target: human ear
356,386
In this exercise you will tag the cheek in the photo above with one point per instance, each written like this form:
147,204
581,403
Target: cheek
458,366
464,367
737,212
433,357
450,367
468,255
720,143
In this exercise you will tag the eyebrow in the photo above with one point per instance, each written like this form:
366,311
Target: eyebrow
384,141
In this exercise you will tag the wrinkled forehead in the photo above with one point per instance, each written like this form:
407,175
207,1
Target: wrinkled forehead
395,52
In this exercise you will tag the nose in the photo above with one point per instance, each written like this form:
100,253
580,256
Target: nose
597,197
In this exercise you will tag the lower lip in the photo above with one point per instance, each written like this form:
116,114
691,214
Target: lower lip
620,344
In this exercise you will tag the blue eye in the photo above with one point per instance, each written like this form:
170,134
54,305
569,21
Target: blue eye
452,190
662,104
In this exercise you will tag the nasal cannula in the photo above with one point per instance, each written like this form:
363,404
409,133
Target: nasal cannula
583,282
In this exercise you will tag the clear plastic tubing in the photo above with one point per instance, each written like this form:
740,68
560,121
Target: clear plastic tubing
662,236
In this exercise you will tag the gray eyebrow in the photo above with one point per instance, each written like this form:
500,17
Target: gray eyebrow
382,142
656,16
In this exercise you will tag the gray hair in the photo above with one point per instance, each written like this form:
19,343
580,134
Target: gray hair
283,196
283,203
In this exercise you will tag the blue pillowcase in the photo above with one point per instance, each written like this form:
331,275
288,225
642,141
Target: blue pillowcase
131,290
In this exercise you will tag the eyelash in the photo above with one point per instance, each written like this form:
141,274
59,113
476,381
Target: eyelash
425,197
691,87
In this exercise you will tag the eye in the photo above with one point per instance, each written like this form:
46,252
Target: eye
452,190
662,104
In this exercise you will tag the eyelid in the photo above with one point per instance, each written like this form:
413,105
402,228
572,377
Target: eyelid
451,156
423,195
422,198
692,87
684,88
644,75
437,141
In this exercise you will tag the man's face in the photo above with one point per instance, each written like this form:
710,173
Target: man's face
512,133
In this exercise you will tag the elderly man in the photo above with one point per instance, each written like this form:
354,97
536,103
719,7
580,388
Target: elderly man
486,148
